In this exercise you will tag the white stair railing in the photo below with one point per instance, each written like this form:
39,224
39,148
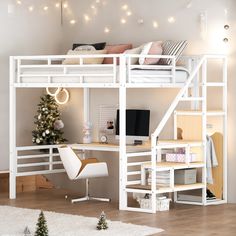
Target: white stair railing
176,101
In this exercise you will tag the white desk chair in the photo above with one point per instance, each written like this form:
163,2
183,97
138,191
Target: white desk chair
82,169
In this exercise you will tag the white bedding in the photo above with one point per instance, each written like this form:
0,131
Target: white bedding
104,75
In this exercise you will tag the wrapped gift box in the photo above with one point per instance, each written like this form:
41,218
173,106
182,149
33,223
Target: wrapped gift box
180,157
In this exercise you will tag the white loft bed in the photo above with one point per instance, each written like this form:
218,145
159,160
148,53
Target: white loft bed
48,71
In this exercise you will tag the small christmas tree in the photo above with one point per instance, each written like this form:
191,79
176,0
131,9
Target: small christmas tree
102,223
48,123
42,229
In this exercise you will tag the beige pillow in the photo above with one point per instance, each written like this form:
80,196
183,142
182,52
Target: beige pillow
138,50
94,60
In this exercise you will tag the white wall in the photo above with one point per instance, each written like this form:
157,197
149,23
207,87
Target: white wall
187,26
24,33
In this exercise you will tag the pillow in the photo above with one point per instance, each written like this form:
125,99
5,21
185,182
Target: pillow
85,48
152,48
115,49
173,48
98,46
138,50
70,61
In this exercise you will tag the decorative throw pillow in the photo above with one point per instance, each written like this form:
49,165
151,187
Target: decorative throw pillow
137,51
72,61
173,48
85,48
98,46
115,49
152,48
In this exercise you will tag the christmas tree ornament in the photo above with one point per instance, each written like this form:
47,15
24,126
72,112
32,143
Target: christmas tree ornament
41,229
48,123
102,222
58,124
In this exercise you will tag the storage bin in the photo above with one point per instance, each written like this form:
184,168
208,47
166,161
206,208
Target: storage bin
161,204
186,176
180,157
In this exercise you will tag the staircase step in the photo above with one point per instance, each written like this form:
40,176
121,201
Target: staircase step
185,99
199,113
215,84
179,143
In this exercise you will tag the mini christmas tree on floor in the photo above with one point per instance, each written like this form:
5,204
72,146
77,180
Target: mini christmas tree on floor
42,229
48,123
102,223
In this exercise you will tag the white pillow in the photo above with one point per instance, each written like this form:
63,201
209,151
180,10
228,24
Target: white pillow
85,48
72,61
144,52
138,50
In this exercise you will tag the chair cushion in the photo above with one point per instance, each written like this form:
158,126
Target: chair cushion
86,162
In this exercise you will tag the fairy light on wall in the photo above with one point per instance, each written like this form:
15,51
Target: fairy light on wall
128,13
65,5
31,8
171,19
123,21
125,7
72,22
87,17
58,5
106,30
155,24
45,8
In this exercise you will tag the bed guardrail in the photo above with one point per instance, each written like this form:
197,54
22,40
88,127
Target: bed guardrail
47,70
50,71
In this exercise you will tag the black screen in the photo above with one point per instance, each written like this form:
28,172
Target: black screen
137,122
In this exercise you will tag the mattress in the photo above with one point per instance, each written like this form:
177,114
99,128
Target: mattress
99,75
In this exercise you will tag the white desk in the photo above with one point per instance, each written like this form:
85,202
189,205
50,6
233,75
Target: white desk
111,147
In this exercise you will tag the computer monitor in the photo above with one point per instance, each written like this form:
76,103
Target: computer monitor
137,124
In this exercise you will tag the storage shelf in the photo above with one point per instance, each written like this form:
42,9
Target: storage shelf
176,188
174,165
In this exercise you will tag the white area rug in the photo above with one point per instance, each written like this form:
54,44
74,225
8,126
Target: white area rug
13,221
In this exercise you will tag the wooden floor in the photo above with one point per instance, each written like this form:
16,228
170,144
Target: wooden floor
180,220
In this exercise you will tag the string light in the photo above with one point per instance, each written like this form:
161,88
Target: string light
106,30
155,24
171,19
72,22
57,5
45,8
123,20
97,1
128,13
86,18
125,7
19,2
65,5
93,7
31,8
